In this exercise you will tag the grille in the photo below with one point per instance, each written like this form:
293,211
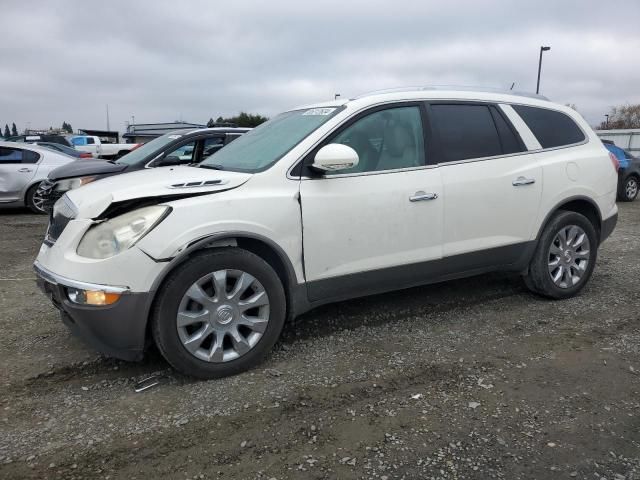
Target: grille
63,212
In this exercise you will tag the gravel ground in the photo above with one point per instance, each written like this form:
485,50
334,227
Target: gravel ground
469,379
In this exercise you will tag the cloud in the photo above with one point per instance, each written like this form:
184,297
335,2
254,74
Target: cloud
161,61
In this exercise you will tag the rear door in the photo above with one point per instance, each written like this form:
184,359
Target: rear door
492,186
17,169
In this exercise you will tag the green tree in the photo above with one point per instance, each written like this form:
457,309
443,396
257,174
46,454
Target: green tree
220,120
210,123
67,127
7,133
623,116
14,130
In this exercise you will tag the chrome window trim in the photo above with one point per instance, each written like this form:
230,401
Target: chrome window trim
56,279
440,164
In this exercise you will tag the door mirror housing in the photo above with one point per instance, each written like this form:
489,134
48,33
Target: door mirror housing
335,156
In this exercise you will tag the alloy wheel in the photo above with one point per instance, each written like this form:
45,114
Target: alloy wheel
223,315
631,188
569,256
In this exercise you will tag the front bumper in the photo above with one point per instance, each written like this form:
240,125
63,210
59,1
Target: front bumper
116,330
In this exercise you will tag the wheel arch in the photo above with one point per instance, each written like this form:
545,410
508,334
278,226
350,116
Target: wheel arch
579,204
263,247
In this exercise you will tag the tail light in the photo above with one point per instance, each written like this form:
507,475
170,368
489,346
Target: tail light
85,155
614,161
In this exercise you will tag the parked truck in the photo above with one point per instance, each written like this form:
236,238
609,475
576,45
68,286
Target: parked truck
99,149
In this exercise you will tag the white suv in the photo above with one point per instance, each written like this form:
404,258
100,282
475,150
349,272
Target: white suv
324,203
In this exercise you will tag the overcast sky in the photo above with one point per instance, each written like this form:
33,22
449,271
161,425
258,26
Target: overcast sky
192,60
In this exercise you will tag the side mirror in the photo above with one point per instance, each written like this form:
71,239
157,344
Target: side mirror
335,156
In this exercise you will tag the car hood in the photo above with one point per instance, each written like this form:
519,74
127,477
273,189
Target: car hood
165,183
85,168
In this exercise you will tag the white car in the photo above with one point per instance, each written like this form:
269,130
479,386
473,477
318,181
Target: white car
22,168
99,149
323,203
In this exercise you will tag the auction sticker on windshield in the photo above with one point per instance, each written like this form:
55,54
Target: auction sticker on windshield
319,111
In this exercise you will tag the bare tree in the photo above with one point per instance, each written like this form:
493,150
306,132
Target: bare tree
623,116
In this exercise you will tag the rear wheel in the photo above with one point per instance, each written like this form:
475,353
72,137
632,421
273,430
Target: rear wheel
629,189
564,257
219,313
34,201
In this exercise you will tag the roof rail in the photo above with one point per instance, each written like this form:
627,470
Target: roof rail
459,88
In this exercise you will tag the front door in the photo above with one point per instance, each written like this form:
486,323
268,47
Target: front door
367,228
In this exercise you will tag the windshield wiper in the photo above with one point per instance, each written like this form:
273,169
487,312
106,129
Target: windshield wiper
214,166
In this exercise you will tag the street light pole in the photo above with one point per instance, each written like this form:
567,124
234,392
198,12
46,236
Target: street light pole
542,49
606,121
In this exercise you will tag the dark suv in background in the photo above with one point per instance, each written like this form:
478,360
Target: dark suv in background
628,173
175,148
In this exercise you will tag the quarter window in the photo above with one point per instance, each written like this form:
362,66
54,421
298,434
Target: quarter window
385,140
465,131
550,127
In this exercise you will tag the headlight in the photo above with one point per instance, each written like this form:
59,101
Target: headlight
116,235
71,183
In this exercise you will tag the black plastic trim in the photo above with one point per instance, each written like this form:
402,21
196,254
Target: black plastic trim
117,330
515,257
608,225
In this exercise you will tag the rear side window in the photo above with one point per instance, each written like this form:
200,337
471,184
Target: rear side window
15,155
78,141
10,155
90,141
465,131
550,127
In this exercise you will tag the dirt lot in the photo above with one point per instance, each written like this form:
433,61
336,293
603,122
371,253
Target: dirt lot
468,379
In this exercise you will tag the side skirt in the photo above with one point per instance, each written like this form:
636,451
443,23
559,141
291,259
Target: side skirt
513,258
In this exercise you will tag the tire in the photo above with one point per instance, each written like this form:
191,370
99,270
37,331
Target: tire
175,300
34,204
543,267
629,189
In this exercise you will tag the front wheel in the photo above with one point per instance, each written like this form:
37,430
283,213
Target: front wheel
564,257
219,313
629,189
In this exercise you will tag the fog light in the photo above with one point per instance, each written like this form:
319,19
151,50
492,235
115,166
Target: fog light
92,297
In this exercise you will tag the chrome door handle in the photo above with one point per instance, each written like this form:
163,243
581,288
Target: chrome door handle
421,196
24,170
520,181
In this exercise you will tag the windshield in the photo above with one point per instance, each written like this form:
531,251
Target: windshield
263,146
141,153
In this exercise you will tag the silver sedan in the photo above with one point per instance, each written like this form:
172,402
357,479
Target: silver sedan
22,168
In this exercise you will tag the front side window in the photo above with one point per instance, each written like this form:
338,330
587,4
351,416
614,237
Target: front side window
144,153
212,145
550,127
263,146
465,131
90,141
385,140
183,154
